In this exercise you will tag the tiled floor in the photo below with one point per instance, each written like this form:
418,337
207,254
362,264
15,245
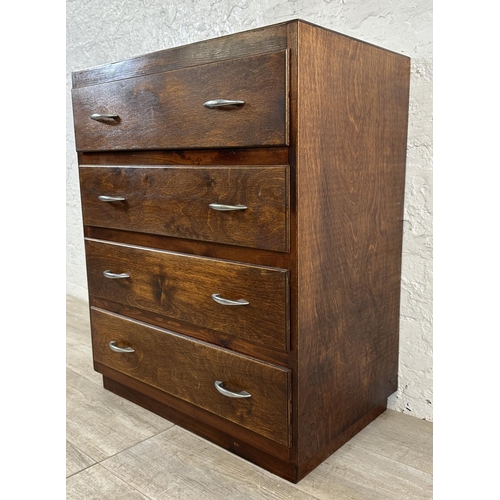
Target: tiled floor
117,450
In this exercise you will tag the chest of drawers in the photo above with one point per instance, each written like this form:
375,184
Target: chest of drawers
242,203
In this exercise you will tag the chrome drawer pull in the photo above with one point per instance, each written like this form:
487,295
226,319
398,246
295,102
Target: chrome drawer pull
226,208
220,103
114,276
103,197
230,394
114,347
99,117
226,302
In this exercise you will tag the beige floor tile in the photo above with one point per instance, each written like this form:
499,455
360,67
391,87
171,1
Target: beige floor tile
399,437
366,476
78,343
101,424
96,483
177,464
78,320
79,360
76,460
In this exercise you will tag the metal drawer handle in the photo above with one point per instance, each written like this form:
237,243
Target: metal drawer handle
226,208
226,302
104,197
114,276
114,347
99,117
230,394
220,103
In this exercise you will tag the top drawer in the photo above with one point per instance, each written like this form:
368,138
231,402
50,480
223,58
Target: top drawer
167,110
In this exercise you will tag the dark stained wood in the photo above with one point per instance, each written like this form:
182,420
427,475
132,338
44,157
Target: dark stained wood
242,156
262,452
237,439
166,111
350,182
222,339
180,286
202,248
185,411
294,301
175,201
188,369
259,41
345,122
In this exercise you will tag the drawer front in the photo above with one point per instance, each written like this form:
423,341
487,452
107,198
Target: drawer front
188,369
176,201
167,110
194,290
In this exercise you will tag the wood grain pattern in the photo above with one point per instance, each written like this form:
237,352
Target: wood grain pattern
294,296
391,458
195,247
214,337
271,458
166,111
175,201
345,117
226,156
181,286
350,183
188,369
220,430
244,44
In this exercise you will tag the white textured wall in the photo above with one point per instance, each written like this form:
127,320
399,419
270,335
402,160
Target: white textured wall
104,31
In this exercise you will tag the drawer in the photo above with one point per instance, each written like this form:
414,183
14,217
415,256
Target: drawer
194,290
189,369
177,200
167,110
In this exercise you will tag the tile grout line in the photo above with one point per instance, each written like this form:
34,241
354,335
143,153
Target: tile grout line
126,449
275,477
127,483
81,470
135,444
101,464
114,475
154,434
83,453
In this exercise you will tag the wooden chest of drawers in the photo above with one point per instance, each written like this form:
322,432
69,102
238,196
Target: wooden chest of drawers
242,203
